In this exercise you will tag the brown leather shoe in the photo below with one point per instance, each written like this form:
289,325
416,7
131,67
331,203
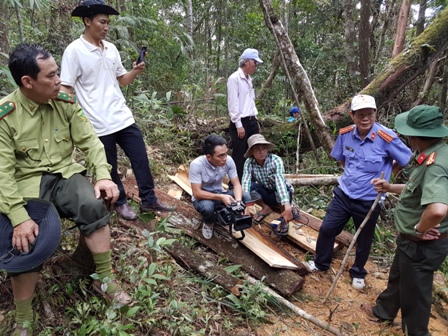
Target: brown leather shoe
125,211
157,206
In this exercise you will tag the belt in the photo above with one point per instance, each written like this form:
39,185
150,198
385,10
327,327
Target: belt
415,239
249,118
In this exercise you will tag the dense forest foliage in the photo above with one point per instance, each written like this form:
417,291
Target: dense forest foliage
193,46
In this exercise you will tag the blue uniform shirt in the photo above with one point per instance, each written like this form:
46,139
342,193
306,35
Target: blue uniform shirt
366,159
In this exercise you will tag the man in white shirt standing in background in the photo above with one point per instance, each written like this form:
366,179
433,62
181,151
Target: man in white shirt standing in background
241,105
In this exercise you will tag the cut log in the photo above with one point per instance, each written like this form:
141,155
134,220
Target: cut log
193,260
300,234
312,181
344,238
287,282
267,251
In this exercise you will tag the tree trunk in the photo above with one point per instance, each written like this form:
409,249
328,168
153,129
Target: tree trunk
350,38
364,37
268,82
19,22
401,27
4,31
420,25
300,80
403,69
430,78
444,89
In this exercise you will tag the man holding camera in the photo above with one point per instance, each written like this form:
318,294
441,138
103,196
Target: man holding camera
92,67
206,175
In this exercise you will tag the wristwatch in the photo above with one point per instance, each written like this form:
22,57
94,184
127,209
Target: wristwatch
418,233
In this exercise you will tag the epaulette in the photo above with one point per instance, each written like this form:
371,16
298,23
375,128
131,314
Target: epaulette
386,136
6,108
66,97
431,159
346,129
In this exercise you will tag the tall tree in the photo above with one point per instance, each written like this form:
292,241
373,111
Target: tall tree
299,78
402,23
364,37
350,37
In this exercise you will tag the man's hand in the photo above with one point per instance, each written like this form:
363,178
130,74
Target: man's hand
227,199
108,189
431,234
287,213
241,132
138,68
381,185
25,234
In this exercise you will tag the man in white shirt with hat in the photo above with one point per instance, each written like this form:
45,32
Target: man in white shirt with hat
241,105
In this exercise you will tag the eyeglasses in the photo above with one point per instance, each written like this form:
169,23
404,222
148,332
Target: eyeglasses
364,115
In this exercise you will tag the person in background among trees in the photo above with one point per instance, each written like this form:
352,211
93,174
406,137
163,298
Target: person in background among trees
241,105
365,149
39,129
206,175
264,178
92,67
294,113
422,222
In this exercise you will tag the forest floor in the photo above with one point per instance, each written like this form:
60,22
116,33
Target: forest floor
342,308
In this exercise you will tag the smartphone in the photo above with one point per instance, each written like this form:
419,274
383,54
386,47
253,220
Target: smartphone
141,56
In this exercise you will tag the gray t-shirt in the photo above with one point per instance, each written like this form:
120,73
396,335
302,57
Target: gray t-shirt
209,176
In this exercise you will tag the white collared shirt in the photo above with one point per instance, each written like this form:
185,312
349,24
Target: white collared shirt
240,97
93,73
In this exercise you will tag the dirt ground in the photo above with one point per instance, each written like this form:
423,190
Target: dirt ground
342,309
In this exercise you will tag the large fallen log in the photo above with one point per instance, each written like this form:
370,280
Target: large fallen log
285,281
193,260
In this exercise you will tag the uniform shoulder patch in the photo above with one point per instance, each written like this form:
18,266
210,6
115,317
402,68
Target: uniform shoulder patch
431,159
386,136
66,97
6,108
346,129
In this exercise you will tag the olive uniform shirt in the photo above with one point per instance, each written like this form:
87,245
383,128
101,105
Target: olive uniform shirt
40,138
427,184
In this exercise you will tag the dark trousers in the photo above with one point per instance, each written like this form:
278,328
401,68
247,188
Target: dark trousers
339,212
239,146
268,196
409,287
131,141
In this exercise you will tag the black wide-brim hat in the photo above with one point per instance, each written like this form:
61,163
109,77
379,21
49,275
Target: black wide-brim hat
89,8
46,216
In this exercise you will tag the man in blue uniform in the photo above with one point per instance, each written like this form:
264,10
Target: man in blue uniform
365,149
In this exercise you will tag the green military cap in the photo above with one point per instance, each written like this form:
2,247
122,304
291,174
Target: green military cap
423,121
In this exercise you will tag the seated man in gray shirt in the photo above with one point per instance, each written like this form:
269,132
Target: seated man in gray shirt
206,175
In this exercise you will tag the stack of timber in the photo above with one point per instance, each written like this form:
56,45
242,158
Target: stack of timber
185,217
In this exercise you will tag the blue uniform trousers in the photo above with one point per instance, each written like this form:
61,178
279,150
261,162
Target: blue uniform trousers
339,212
130,139
410,284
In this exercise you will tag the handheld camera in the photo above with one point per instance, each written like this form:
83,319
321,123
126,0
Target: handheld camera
232,215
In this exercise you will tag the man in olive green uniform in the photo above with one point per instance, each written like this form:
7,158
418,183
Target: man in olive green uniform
421,220
39,128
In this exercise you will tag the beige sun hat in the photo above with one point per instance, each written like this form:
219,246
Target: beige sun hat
257,139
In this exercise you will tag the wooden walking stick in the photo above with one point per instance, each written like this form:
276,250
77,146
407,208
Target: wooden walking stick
341,269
